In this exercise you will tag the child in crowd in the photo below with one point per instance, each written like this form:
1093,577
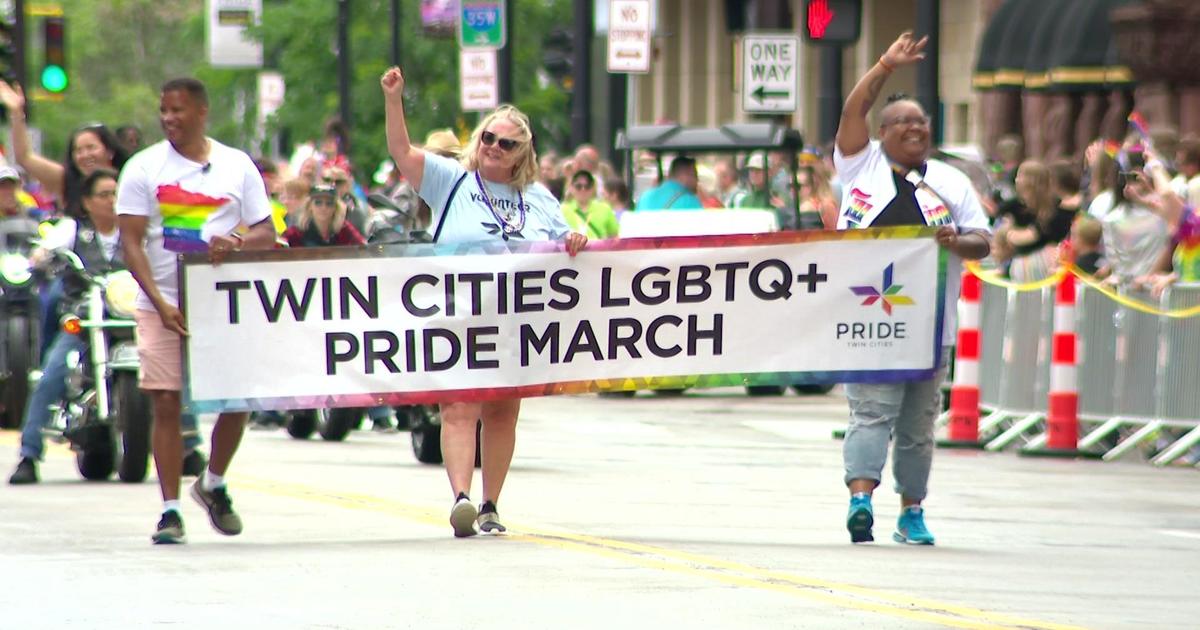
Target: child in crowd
1087,236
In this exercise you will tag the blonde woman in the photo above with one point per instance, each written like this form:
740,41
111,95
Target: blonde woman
322,222
490,195
1035,223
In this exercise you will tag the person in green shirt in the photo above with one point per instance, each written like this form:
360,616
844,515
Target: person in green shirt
585,213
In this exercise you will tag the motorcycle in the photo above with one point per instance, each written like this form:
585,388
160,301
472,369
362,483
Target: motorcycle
105,417
19,307
397,224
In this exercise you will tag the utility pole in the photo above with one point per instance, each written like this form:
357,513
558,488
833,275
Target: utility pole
396,33
581,63
343,53
504,56
18,42
928,91
829,91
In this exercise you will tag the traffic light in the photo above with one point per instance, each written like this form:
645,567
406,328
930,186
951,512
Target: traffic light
53,76
832,21
558,49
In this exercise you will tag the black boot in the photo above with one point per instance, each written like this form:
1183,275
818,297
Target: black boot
25,473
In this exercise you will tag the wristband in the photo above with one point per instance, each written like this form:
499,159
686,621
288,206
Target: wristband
239,239
886,66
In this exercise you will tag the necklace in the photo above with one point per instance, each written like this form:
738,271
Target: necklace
506,225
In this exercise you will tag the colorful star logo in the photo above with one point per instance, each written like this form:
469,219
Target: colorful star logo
888,296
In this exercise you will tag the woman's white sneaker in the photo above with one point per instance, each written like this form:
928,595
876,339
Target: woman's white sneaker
462,517
489,519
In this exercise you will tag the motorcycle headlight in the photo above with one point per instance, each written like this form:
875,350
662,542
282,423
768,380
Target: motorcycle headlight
15,268
120,293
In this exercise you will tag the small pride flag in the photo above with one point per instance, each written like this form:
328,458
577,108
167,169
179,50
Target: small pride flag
184,214
1139,125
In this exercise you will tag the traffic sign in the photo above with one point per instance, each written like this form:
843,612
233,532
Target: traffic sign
479,90
770,80
629,36
481,24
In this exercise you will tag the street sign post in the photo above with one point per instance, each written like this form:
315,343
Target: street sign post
481,24
770,79
629,36
479,89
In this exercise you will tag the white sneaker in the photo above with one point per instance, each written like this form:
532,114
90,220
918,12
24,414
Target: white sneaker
489,519
462,517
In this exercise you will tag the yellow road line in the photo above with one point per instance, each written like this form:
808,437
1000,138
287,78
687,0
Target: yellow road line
685,563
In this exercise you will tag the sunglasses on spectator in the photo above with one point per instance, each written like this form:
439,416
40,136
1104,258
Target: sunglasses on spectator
324,201
582,186
335,181
506,144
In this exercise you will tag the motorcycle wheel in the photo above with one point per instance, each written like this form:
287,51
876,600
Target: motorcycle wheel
131,417
765,390
813,390
427,440
335,424
302,424
621,394
96,464
19,353
427,443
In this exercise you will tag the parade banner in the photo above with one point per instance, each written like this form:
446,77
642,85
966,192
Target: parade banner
400,324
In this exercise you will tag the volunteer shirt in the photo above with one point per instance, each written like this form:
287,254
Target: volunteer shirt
229,174
871,191
468,218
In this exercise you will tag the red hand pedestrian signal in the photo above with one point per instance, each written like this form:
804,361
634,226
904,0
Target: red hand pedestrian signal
819,17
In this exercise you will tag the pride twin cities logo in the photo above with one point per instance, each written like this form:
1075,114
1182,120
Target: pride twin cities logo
874,334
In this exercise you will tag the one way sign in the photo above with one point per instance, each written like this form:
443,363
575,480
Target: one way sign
769,72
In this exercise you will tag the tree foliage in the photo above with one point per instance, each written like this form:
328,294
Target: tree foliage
120,52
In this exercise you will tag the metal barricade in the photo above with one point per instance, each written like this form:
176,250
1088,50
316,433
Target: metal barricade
993,312
1178,375
1025,381
1137,360
1095,325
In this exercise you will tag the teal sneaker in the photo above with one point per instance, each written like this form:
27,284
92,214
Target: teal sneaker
910,527
860,519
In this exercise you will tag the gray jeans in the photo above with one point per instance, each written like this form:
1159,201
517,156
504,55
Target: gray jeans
907,410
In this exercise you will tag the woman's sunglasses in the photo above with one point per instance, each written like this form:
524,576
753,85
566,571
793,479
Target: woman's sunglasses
582,186
324,201
506,144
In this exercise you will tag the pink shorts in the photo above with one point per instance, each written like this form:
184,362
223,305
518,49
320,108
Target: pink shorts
161,353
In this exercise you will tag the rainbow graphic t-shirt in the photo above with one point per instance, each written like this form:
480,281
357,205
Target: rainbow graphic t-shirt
1187,247
184,214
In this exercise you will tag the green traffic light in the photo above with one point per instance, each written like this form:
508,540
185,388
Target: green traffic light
54,78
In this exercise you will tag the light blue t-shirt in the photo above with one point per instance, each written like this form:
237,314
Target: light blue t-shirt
671,195
469,220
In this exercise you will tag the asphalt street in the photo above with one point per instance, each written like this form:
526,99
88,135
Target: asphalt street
710,510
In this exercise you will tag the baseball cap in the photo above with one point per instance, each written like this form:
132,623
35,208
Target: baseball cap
757,160
322,189
8,172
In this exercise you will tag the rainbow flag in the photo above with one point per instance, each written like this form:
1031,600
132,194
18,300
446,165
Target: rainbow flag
1138,122
184,214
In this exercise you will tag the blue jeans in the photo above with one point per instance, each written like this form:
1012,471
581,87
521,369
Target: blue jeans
50,297
52,388
907,410
379,413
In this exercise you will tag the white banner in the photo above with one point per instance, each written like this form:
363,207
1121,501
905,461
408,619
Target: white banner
363,326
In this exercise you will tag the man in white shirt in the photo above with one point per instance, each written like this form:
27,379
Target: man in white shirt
892,182
209,179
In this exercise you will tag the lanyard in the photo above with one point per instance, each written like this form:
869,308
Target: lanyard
506,228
